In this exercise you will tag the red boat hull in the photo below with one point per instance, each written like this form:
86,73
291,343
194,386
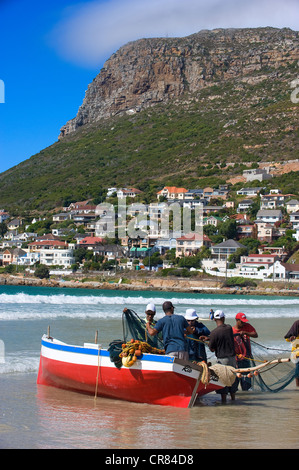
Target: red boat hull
155,380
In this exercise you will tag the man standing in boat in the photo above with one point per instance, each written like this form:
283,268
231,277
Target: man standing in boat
173,328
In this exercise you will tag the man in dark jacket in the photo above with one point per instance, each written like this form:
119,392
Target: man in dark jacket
222,344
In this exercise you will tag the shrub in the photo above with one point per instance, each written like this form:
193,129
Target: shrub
239,281
42,272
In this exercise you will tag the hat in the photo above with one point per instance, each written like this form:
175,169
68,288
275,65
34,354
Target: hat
191,314
241,316
167,306
218,314
150,307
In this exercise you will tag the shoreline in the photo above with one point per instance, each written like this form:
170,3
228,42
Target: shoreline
151,284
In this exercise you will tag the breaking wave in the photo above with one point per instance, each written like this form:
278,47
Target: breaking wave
26,306
60,299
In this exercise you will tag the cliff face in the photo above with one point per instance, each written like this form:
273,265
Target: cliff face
148,71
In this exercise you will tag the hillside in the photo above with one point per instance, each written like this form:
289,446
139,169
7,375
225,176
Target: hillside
189,111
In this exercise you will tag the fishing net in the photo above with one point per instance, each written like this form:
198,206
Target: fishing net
274,377
133,328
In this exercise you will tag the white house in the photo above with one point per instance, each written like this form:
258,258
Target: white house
269,216
172,192
244,205
248,192
128,192
294,219
60,257
292,206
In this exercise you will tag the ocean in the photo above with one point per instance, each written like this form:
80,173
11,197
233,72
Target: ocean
39,417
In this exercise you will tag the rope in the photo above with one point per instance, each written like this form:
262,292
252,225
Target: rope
266,347
195,339
205,376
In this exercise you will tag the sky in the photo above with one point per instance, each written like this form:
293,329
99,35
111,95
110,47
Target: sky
51,50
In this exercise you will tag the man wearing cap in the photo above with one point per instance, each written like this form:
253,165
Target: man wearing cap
222,344
196,347
173,328
150,312
243,331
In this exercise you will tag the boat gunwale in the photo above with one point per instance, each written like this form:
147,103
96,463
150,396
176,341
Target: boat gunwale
97,350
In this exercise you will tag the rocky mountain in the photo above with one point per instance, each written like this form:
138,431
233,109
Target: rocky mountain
190,112
150,71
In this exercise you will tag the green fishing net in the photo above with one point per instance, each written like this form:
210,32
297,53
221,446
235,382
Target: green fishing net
133,328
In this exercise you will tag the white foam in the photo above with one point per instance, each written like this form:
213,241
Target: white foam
22,298
23,306
18,363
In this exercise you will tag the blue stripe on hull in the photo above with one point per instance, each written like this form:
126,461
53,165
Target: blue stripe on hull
103,352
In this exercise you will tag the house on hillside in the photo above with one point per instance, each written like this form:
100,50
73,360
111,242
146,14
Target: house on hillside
246,231
244,205
62,217
3,216
259,174
212,220
128,192
110,251
47,245
265,231
251,192
172,192
292,206
57,257
189,244
90,242
14,224
269,216
223,250
80,207
291,270
273,200
11,256
192,194
294,220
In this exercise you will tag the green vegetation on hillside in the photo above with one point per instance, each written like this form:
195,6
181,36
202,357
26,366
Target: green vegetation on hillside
187,142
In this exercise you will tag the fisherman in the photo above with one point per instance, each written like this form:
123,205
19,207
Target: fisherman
243,331
173,328
200,333
291,335
222,344
150,312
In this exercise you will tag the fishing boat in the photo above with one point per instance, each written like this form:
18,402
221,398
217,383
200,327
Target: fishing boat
137,370
152,378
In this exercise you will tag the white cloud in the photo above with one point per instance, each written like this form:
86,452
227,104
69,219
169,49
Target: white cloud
92,31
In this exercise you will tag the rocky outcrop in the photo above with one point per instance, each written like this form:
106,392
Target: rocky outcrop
149,71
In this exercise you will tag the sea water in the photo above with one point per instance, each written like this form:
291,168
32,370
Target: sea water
35,416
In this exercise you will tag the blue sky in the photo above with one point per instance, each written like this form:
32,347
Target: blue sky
52,49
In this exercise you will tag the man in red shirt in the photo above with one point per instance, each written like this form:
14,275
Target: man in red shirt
242,332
